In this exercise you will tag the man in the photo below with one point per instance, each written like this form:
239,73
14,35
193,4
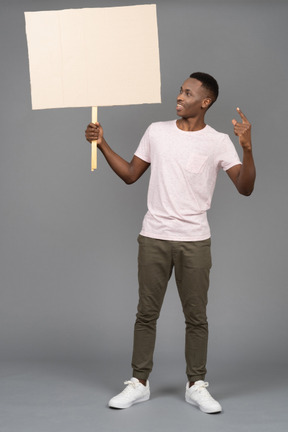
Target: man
185,156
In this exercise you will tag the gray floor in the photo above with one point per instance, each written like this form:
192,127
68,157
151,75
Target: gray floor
60,397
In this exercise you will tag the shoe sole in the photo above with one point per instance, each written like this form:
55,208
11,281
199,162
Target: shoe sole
202,409
123,406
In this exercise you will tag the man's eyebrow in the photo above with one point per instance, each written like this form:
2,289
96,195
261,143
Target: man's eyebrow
185,89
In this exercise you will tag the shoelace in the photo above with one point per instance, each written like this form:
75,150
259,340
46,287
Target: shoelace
202,385
201,388
130,387
128,383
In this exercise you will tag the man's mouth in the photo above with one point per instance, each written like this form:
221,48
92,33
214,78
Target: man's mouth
179,106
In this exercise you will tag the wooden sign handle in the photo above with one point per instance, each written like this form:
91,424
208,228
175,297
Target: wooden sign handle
94,143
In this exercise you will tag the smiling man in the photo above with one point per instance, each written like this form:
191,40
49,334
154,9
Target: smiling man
185,156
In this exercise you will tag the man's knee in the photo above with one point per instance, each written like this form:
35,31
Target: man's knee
147,317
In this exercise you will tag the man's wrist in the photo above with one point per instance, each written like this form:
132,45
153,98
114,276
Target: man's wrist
101,145
247,148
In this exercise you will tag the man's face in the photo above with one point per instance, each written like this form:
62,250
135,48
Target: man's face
192,99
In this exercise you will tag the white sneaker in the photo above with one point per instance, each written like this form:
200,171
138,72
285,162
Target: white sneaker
199,396
135,392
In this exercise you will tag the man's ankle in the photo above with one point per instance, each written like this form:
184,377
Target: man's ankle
142,381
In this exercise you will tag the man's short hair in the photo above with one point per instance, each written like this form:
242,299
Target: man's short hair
209,83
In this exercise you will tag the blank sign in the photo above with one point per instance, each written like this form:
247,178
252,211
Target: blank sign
93,57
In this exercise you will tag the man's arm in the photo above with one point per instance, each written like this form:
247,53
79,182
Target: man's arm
129,172
243,176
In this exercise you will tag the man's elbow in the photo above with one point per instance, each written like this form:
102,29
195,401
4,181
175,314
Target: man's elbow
246,192
130,179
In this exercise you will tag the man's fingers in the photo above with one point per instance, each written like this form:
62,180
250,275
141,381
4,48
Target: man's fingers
245,120
234,122
93,132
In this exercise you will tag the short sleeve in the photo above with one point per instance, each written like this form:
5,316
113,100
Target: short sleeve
228,156
143,150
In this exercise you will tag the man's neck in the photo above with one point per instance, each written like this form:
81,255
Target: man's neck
191,124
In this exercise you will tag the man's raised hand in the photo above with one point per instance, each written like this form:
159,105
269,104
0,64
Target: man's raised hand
94,132
243,131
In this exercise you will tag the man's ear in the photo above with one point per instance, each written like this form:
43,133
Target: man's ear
206,103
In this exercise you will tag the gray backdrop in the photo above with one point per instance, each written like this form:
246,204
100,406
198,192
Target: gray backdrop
68,250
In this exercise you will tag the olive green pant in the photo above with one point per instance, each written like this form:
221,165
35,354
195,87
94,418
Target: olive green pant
191,262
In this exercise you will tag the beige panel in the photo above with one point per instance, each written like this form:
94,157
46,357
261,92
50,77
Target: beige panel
93,57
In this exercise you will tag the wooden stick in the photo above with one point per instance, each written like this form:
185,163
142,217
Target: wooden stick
94,143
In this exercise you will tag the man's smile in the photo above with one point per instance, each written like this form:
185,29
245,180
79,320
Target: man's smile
179,106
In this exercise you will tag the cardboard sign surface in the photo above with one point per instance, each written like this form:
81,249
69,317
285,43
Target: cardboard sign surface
93,57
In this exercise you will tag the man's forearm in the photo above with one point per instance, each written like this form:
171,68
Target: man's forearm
247,175
119,165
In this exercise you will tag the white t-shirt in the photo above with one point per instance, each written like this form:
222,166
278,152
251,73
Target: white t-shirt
184,167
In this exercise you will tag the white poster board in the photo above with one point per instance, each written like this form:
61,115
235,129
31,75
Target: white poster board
93,57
